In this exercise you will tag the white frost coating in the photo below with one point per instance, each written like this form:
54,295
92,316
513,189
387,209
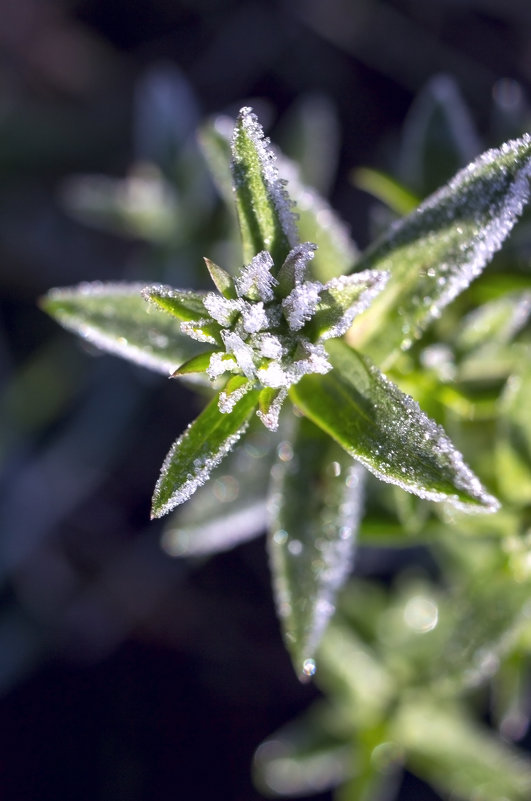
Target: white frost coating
272,375
373,280
202,469
465,222
301,303
255,280
222,310
275,186
411,428
269,346
116,345
254,317
241,351
295,265
270,418
228,400
219,363
194,330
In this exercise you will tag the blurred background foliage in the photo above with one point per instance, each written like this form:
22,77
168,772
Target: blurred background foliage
125,673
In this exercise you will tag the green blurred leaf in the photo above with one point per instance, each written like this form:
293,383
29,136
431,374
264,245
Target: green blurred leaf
203,445
264,209
513,444
433,254
385,188
231,507
456,756
307,756
349,668
315,509
117,319
387,431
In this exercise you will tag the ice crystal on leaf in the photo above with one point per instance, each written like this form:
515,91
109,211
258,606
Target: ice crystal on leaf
271,330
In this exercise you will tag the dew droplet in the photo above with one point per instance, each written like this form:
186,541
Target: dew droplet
309,667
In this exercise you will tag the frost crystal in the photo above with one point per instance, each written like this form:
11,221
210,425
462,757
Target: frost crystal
255,281
266,329
274,184
301,304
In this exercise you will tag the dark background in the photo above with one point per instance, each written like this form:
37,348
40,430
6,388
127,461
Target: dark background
125,674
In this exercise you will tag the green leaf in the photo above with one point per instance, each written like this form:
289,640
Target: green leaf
342,299
433,254
222,279
214,140
315,509
231,507
197,364
305,757
351,669
117,319
182,303
203,445
264,209
457,757
513,444
387,431
385,188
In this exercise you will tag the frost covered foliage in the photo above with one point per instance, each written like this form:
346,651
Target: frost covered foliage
270,329
306,323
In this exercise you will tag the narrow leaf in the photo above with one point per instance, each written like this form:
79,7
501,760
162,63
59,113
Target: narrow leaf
117,319
315,509
434,254
222,280
231,507
387,431
457,757
385,188
203,445
306,756
342,299
197,364
182,303
264,209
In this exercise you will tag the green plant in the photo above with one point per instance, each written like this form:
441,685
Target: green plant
302,326
279,330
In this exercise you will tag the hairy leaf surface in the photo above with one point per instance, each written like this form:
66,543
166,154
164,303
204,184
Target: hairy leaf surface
203,445
117,319
387,431
315,509
435,252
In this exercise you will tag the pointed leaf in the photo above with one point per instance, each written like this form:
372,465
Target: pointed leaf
222,280
457,757
203,445
231,507
117,319
385,188
197,364
342,299
305,757
387,431
315,512
214,139
182,303
433,254
264,209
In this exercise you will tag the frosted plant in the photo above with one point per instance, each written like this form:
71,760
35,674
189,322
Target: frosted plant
282,328
268,329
